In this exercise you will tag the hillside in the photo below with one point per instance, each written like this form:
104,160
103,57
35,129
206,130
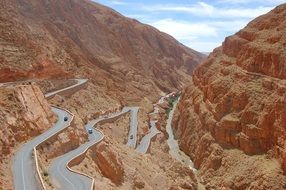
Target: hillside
79,38
127,63
232,119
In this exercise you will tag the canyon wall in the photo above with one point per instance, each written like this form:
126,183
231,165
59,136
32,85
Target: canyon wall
24,113
237,101
125,59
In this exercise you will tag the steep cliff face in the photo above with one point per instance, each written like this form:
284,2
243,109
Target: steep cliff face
237,100
24,113
109,164
59,39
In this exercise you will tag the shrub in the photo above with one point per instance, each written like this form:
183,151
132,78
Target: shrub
168,111
46,173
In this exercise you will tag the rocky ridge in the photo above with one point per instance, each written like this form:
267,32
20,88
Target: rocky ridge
237,101
24,113
123,58
119,167
126,62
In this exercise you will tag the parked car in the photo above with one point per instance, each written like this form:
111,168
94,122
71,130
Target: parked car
131,137
66,118
89,131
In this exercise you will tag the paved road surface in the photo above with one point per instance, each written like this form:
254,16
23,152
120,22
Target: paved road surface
64,179
25,176
24,171
79,82
132,136
146,140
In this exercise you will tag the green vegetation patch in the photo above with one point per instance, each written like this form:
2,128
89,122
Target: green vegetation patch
172,100
46,173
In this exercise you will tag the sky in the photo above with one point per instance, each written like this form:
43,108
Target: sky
200,25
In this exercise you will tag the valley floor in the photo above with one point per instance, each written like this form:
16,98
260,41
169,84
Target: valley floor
111,162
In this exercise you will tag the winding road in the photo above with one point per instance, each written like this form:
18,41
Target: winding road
79,82
132,136
25,176
146,140
24,166
61,176
24,169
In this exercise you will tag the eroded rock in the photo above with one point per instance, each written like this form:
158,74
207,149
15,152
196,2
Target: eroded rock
235,102
109,163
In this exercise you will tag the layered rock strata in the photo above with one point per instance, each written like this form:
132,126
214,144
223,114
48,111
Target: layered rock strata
237,99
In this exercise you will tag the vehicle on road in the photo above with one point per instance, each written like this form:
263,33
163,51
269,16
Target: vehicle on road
66,118
131,137
89,131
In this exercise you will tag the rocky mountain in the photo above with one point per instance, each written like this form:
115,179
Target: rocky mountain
79,38
24,113
232,119
17,123
127,63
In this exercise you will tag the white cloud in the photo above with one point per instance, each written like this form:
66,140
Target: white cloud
243,12
195,35
117,2
184,30
201,26
198,9
206,10
191,34
228,26
202,46
141,17
264,2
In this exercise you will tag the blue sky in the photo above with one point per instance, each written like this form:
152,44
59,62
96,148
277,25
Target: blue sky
201,25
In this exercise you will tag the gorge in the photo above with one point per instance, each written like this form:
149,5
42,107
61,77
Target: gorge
88,100
231,119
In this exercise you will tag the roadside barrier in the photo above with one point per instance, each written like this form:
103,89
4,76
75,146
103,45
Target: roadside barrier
35,148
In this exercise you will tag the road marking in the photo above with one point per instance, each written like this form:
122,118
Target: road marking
79,82
86,146
59,171
48,133
23,176
133,126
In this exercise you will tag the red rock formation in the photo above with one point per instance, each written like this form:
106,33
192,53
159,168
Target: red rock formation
125,61
109,163
24,113
67,140
43,70
83,38
238,96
